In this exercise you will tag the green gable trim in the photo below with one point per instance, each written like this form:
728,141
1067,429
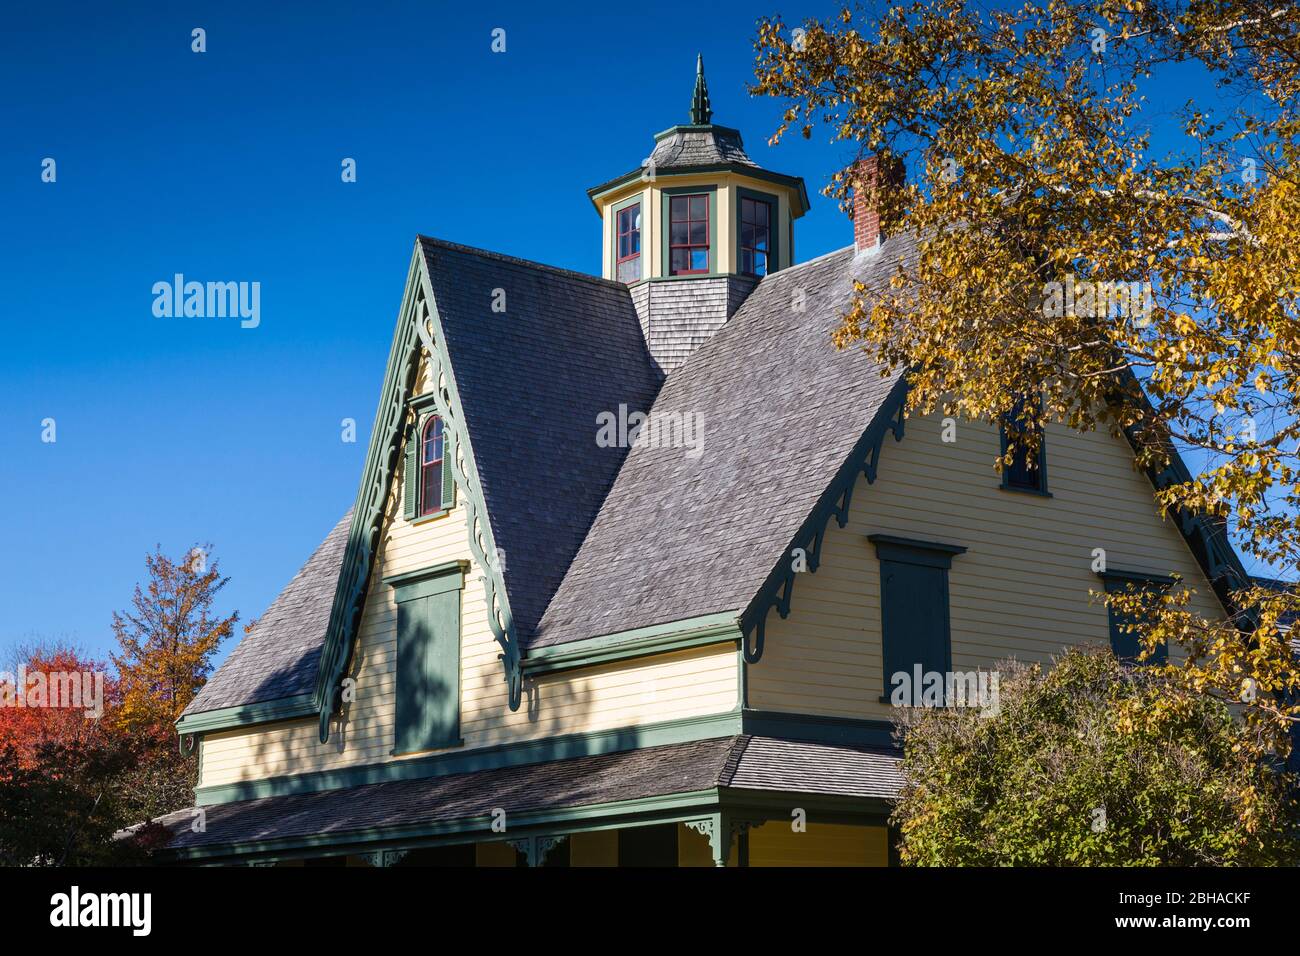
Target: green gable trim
640,642
665,227
262,712
778,588
560,747
418,329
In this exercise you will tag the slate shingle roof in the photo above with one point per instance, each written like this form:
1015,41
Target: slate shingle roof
280,656
780,410
742,762
532,381
685,147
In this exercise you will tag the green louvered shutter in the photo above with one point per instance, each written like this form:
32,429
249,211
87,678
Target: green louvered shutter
427,707
448,476
412,474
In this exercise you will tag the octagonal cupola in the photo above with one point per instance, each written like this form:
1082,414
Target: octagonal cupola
694,227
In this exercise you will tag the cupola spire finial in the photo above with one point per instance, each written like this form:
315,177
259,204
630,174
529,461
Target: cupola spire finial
700,111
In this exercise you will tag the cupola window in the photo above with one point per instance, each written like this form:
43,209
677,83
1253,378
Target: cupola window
688,235
629,243
755,236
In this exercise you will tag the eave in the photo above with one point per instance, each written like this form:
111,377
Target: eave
629,645
794,183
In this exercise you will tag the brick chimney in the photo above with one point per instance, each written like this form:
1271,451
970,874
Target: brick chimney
866,218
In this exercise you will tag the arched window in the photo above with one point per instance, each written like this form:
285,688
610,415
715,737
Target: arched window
431,447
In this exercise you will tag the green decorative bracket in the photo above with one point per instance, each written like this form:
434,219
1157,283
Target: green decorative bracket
536,848
722,830
481,542
385,858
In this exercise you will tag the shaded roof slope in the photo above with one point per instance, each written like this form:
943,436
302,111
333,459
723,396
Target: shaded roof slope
280,656
532,381
780,410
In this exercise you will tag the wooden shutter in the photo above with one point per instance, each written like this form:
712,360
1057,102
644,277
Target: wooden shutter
427,711
448,476
914,618
1124,643
411,476
914,625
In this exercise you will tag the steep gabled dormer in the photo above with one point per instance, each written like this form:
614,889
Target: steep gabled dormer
694,228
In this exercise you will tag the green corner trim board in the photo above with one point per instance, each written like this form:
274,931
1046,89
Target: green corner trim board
641,642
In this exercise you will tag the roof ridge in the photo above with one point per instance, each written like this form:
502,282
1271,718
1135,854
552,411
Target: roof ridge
516,260
731,760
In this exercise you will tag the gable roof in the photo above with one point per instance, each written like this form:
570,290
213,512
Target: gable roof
602,541
780,409
280,656
532,381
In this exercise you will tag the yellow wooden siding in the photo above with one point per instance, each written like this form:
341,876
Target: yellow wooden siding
823,844
685,684
594,848
1021,590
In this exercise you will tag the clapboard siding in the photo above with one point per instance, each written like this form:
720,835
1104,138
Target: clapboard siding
1021,590
686,684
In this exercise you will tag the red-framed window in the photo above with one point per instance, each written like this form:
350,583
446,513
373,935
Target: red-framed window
628,267
688,234
755,236
431,446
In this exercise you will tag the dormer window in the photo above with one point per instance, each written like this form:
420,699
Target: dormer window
629,244
688,235
431,448
755,236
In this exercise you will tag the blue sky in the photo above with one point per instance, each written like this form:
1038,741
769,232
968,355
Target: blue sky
226,166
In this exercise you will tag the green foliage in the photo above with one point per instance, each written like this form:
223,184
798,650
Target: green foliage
1078,768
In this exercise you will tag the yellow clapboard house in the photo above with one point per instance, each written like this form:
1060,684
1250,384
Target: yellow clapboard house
635,561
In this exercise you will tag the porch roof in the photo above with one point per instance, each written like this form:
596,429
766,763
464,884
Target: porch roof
465,802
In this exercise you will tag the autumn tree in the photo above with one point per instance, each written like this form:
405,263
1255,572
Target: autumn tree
168,638
62,768
1084,763
166,644
1032,166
